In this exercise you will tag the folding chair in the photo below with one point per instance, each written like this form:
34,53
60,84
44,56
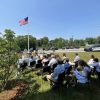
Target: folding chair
67,72
23,66
59,81
53,67
32,63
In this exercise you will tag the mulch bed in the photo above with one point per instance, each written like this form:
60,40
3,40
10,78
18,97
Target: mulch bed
14,93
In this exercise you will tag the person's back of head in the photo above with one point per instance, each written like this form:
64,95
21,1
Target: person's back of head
60,62
44,56
96,60
52,56
64,54
92,56
67,60
82,63
76,54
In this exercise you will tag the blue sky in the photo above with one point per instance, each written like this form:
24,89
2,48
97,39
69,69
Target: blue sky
52,18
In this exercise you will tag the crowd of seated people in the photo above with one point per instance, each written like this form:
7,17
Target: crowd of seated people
81,71
56,67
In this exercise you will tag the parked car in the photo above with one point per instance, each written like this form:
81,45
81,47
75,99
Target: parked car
93,47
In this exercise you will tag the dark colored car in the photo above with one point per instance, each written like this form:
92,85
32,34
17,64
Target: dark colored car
88,49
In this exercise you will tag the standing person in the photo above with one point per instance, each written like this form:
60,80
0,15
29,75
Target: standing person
76,59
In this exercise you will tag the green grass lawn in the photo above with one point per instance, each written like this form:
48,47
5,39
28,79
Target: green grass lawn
41,90
83,55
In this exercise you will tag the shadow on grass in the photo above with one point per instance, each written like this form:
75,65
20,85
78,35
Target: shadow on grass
63,94
80,92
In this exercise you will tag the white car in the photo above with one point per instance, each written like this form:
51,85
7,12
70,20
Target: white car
93,47
96,49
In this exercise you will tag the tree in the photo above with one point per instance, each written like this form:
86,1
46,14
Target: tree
22,42
44,41
59,42
76,42
8,56
90,40
71,42
98,39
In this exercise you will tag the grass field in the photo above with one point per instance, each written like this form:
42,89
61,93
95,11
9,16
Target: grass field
83,55
40,90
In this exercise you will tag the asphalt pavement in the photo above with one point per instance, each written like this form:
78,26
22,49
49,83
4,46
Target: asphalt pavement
63,50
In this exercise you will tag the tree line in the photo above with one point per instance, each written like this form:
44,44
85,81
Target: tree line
45,42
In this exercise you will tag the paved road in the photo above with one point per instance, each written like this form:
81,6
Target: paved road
64,50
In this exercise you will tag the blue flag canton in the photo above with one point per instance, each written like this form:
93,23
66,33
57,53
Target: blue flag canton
26,19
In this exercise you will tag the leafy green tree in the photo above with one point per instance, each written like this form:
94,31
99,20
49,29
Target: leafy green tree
90,40
22,42
44,41
98,39
8,56
59,42
71,42
76,42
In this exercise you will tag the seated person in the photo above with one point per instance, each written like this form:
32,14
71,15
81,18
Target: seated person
91,61
76,59
20,61
52,61
58,70
81,72
45,59
96,65
66,65
64,58
32,59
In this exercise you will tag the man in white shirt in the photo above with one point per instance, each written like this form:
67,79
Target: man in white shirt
76,59
52,61
45,60
91,61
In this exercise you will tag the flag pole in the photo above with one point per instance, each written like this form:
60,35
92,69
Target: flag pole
28,42
24,22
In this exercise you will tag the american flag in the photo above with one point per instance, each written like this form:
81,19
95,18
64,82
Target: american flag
23,21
